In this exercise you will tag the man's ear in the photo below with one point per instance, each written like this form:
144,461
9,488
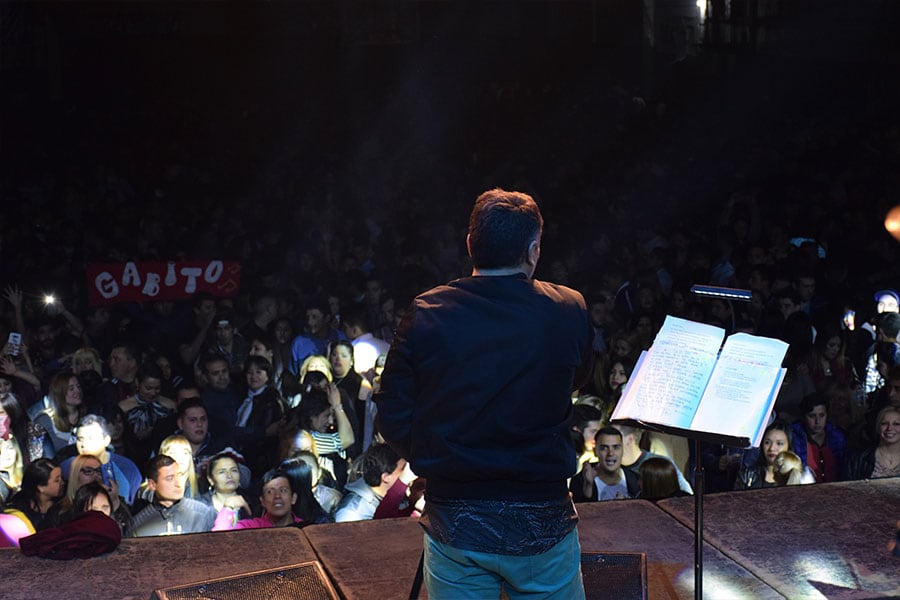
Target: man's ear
151,485
469,244
533,253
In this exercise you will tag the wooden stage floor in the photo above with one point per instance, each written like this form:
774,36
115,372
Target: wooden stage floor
824,541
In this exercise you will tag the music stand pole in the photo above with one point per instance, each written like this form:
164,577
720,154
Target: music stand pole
698,522
728,294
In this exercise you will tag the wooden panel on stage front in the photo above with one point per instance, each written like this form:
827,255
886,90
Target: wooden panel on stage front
139,566
639,526
826,540
370,559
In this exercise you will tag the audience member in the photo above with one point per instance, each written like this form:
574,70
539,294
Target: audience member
92,437
259,416
320,334
586,421
124,361
605,479
144,409
366,347
882,459
224,477
170,513
633,455
12,467
41,489
776,439
218,394
65,408
817,442
380,467
659,479
277,499
319,412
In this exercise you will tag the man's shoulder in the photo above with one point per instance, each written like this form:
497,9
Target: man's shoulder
357,491
147,513
302,341
474,284
358,504
124,463
195,505
560,292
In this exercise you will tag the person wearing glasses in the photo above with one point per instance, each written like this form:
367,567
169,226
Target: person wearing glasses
85,469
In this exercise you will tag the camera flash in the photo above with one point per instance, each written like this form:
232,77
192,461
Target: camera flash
49,299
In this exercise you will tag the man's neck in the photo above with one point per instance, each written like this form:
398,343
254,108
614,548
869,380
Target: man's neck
631,455
818,438
610,478
380,490
502,272
284,521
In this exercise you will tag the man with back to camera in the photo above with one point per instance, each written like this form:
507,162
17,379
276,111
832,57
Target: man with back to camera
476,395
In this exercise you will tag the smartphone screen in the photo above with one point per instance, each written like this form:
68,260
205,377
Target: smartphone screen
15,342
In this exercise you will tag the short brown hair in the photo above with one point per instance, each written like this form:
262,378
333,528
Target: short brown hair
501,227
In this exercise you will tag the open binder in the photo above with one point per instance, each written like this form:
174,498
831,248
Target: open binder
686,385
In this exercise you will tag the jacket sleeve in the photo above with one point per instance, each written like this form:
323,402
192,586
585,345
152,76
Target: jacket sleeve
226,519
577,489
397,397
633,482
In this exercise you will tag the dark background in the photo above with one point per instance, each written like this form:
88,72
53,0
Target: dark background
278,114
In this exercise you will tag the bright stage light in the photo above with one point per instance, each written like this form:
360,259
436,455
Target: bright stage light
892,222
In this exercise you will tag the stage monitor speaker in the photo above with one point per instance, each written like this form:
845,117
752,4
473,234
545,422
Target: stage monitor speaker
302,581
614,575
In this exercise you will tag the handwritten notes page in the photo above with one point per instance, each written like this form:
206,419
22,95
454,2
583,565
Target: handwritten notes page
683,383
671,377
742,388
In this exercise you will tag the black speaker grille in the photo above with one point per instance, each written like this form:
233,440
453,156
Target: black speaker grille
305,581
614,575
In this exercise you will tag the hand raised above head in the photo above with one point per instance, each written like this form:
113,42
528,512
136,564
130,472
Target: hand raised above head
13,295
334,396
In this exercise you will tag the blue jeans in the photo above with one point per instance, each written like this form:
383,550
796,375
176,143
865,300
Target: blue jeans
451,573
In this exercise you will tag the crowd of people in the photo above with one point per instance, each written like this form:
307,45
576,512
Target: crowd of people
201,414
